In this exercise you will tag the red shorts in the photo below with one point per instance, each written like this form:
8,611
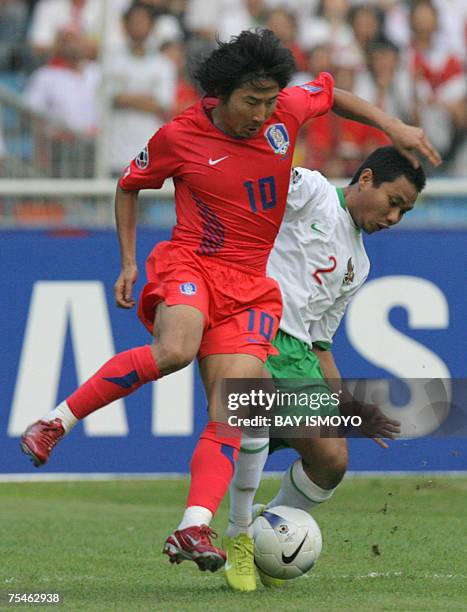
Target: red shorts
241,309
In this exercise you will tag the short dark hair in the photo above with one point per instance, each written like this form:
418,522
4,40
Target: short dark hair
249,57
138,6
387,165
383,44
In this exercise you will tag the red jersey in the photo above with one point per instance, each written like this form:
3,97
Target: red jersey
230,193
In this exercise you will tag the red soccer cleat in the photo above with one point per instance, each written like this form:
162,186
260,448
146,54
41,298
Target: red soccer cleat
194,544
40,438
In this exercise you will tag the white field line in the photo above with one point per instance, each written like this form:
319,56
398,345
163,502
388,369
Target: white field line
69,477
310,575
390,574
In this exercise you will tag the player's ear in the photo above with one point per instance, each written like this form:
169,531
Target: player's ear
366,178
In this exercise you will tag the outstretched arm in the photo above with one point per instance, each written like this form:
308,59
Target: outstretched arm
374,422
125,215
407,139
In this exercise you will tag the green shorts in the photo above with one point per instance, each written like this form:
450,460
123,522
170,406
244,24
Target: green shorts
297,371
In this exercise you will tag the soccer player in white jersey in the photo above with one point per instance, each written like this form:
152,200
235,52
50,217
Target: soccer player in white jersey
319,261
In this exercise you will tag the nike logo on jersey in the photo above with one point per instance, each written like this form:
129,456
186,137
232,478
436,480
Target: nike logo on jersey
213,162
294,554
313,227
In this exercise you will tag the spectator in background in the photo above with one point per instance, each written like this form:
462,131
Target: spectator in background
366,22
330,25
166,27
178,9
244,15
202,17
143,89
452,23
186,92
284,26
13,22
386,83
440,82
319,59
53,16
335,146
66,89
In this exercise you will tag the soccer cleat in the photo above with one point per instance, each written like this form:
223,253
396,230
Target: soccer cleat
194,544
240,565
267,581
270,582
40,438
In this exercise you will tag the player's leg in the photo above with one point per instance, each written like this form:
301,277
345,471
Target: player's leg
244,315
310,480
249,467
313,478
177,336
211,467
252,457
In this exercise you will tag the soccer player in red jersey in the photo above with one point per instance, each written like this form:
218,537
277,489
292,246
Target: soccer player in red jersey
207,295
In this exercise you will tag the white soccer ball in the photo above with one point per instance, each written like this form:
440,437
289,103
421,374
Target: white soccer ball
287,542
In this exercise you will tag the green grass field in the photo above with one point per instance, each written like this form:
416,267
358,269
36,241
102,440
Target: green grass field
389,543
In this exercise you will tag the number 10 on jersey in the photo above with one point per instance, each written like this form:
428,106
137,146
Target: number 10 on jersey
263,190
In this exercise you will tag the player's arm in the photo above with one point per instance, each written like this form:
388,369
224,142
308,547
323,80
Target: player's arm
156,162
332,374
374,423
407,139
125,215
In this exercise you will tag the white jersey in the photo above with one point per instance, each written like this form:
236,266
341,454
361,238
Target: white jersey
318,259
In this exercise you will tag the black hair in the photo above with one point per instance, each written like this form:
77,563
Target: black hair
387,164
366,8
383,44
249,57
138,6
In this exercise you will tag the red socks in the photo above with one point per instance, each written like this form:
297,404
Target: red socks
212,465
117,378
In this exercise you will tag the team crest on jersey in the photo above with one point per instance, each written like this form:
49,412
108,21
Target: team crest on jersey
350,274
142,161
278,138
188,288
296,176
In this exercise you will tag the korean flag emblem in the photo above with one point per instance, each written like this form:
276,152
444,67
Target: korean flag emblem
142,161
278,138
188,288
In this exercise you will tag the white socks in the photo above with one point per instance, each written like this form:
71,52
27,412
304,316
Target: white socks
248,470
64,413
195,515
298,491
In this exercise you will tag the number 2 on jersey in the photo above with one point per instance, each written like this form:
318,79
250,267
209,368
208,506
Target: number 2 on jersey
266,189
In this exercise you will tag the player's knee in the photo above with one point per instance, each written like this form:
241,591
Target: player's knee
173,356
327,464
335,462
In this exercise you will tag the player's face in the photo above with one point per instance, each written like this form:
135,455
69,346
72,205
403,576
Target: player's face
382,207
247,108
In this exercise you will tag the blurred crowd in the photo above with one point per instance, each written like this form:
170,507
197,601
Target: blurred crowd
406,56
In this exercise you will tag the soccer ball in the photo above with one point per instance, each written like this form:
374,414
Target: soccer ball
287,542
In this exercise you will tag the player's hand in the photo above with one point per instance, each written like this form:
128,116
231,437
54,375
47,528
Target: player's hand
377,425
410,140
124,286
